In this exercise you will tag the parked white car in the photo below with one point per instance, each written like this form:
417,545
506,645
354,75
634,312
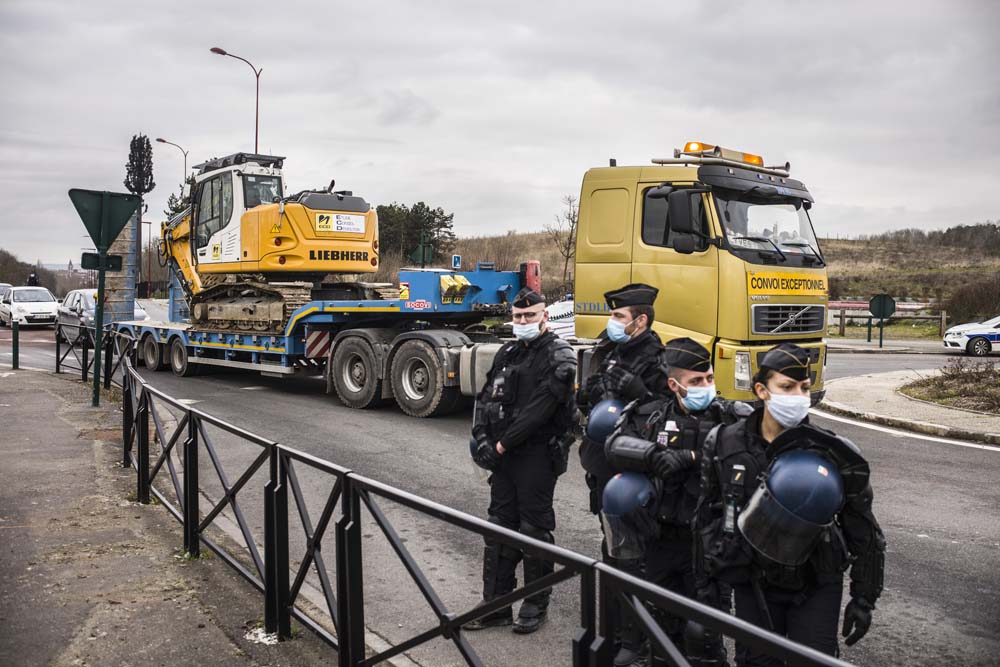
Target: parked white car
28,305
977,338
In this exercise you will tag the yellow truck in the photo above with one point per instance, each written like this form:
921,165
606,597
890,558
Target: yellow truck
729,243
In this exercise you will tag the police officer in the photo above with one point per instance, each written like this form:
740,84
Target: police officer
625,366
662,437
522,428
785,543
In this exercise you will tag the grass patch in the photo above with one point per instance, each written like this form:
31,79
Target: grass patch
925,330
965,384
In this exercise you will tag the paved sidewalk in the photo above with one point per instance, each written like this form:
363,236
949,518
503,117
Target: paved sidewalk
875,397
92,578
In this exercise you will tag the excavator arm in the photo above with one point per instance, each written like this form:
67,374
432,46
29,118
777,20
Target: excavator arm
175,236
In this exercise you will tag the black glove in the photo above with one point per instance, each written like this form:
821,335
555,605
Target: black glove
625,384
857,620
487,456
668,462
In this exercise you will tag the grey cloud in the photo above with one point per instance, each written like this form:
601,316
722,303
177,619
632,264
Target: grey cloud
889,110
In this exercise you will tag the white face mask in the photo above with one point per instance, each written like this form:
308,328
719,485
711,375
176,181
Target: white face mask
788,409
527,332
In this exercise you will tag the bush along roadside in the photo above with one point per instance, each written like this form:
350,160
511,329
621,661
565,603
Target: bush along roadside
969,385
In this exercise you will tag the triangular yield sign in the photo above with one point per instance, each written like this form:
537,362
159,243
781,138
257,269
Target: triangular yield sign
103,226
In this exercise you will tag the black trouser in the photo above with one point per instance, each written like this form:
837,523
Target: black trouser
668,564
810,618
521,491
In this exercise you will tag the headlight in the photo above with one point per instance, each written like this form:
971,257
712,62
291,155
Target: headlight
743,371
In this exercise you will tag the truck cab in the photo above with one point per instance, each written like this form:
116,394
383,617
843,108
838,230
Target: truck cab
728,242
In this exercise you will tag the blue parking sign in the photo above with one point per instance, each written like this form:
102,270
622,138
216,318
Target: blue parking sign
456,262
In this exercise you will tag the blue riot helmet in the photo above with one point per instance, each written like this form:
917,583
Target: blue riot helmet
603,418
798,500
628,514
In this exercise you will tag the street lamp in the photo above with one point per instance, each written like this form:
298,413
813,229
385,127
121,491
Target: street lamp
164,141
256,73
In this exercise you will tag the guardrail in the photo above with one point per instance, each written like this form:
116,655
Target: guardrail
78,346
600,586
843,316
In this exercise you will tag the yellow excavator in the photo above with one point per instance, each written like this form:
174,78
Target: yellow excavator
247,255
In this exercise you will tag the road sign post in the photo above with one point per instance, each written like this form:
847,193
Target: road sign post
881,306
104,214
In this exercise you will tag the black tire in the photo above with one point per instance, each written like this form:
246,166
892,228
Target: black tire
418,381
151,353
179,360
978,347
354,374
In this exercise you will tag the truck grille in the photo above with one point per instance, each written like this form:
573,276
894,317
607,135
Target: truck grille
768,319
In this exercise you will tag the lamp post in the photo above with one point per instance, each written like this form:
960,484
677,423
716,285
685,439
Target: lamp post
256,73
164,141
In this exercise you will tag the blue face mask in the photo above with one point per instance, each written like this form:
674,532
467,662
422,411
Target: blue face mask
616,331
527,332
699,398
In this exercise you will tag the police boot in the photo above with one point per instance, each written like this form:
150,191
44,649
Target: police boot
535,607
630,656
499,566
704,647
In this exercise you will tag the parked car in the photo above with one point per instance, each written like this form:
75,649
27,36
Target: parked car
976,338
4,288
78,310
28,305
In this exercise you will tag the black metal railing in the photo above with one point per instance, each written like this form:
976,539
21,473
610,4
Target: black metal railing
281,579
75,352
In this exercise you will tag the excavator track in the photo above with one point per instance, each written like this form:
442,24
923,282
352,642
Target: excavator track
249,306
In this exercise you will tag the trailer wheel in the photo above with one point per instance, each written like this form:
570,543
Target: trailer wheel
179,360
152,353
418,381
354,374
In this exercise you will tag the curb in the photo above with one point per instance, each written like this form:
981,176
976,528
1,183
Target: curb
898,350
925,428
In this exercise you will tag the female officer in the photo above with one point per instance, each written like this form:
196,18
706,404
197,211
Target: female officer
785,508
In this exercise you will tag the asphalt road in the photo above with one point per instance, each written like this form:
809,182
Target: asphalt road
937,503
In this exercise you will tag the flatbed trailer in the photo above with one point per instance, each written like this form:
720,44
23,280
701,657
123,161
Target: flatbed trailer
424,349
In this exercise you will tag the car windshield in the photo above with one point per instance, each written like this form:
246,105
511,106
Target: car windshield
768,231
32,295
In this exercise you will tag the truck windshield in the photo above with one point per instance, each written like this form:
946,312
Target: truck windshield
259,190
768,231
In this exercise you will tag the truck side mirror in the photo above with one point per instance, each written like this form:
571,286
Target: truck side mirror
682,214
683,244
660,192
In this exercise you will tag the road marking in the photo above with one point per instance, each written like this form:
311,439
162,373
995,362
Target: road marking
7,374
187,401
253,388
904,434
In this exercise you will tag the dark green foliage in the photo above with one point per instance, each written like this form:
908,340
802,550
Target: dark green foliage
400,226
178,202
16,272
139,170
983,237
976,299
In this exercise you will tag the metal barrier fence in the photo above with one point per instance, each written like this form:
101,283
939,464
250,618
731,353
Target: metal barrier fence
74,352
600,586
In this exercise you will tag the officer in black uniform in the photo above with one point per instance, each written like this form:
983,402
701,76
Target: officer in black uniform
625,366
786,572
662,437
523,429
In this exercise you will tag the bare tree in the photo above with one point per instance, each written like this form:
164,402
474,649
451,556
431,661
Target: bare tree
563,233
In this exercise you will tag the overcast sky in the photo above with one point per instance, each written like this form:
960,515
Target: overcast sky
888,111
